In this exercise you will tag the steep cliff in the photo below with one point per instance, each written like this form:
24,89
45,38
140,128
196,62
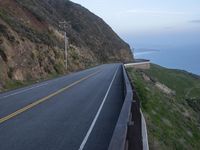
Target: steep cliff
32,44
172,111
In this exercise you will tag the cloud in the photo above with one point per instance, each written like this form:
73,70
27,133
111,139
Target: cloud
152,12
146,50
195,21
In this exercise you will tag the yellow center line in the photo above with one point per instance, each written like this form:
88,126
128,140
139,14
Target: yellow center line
44,99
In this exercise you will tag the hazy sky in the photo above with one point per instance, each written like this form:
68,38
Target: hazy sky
144,21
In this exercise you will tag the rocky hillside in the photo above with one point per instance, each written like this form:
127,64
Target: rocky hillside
32,46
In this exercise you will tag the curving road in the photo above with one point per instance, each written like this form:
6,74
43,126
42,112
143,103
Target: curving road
74,112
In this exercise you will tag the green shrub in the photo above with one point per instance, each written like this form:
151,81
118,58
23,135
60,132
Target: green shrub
59,67
12,84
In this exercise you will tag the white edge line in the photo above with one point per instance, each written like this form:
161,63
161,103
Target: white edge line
23,90
97,115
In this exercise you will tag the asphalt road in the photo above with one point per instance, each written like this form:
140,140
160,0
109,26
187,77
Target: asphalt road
74,112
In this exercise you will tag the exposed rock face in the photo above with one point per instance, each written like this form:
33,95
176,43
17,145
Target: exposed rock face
160,86
165,89
31,44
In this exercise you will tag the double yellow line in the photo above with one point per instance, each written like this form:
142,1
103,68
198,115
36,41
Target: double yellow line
44,99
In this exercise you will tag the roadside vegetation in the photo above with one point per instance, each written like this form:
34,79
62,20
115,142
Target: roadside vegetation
15,84
172,110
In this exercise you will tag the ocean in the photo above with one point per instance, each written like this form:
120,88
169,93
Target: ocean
177,57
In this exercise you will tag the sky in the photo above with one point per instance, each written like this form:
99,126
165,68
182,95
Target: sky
143,22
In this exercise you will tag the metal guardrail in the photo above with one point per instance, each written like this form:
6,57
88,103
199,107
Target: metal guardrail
144,133
128,133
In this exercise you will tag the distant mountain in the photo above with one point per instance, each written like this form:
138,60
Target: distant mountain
146,50
31,43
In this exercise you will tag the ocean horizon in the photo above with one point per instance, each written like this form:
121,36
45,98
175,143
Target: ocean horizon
183,58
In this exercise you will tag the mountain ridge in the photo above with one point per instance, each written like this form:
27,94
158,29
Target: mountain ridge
32,45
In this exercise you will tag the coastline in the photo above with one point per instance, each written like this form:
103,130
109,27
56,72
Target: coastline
180,60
